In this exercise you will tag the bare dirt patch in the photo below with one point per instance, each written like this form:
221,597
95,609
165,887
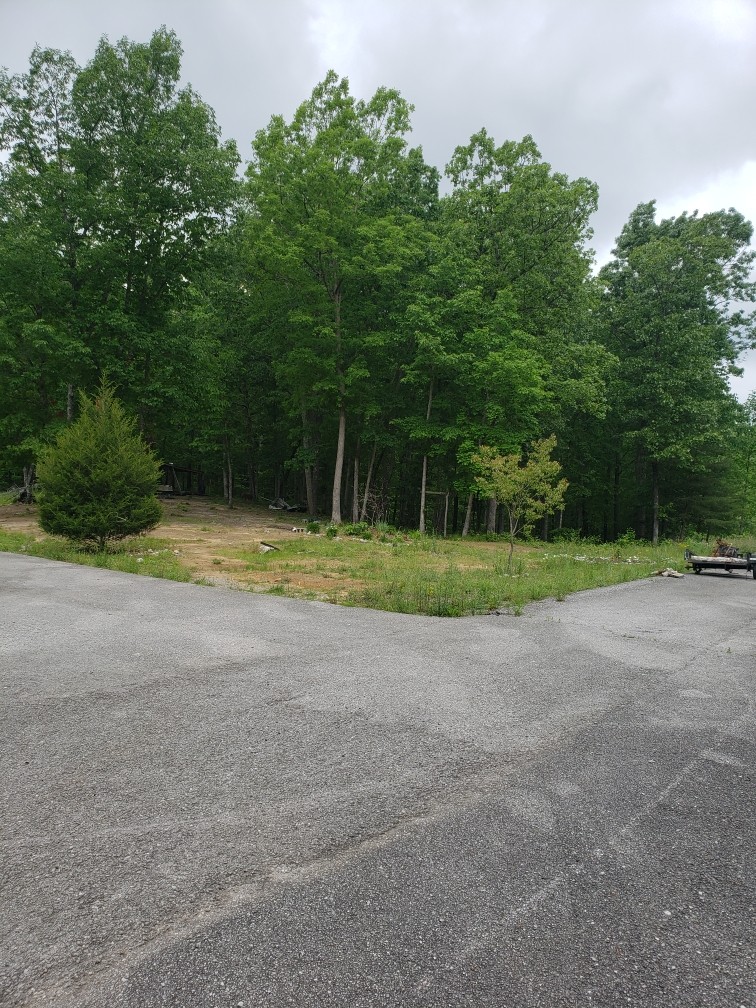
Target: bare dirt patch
203,532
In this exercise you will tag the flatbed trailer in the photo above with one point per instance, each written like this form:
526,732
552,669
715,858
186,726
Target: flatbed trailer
740,562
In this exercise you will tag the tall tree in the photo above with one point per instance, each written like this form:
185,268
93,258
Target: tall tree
160,183
332,196
526,227
42,354
115,179
744,463
672,314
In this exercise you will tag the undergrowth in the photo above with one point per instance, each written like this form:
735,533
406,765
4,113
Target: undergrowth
452,577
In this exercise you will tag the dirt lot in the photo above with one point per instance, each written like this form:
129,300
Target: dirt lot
203,532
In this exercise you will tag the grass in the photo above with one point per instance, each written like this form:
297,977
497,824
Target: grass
139,555
397,572
452,577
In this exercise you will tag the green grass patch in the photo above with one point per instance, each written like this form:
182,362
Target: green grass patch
453,577
140,555
396,572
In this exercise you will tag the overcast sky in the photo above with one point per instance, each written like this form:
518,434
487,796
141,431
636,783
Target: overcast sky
651,99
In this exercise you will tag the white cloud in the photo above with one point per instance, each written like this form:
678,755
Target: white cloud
735,188
729,19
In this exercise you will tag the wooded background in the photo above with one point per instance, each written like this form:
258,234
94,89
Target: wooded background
340,325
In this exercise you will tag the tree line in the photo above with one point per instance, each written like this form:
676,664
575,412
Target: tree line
329,328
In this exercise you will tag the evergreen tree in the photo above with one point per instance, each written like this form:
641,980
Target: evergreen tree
99,476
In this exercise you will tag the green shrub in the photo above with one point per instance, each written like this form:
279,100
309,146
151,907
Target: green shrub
565,535
385,528
627,539
99,477
356,529
313,526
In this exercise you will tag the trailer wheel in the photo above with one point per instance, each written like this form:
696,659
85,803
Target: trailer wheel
696,570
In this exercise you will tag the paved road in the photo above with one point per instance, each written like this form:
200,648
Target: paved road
210,798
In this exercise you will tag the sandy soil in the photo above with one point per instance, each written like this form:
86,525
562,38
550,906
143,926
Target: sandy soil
202,532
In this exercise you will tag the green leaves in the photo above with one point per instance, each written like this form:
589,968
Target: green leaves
98,477
332,221
331,319
667,314
527,487
115,182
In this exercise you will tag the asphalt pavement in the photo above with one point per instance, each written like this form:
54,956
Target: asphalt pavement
215,798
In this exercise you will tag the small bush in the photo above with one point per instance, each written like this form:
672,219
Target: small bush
313,526
565,535
415,535
356,529
627,538
98,477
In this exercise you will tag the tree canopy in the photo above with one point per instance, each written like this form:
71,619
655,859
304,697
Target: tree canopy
346,327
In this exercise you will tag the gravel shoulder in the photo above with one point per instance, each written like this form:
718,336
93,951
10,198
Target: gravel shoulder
233,799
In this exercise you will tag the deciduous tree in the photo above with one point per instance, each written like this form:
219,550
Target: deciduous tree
527,487
331,196
672,314
113,181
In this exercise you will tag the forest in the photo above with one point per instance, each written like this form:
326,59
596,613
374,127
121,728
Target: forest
336,323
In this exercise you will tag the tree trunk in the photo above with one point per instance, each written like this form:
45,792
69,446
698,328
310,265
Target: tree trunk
421,526
339,468
309,491
512,535
425,461
228,475
27,494
468,515
69,402
308,473
641,478
655,505
493,505
356,486
446,513
363,512
339,465
346,479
